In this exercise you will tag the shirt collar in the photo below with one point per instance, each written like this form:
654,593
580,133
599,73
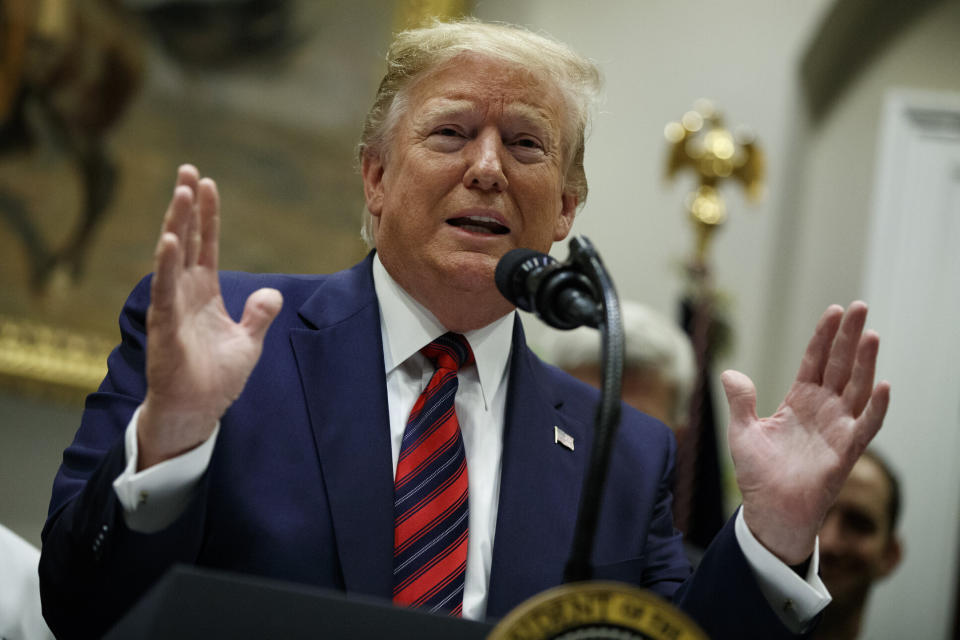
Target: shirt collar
406,326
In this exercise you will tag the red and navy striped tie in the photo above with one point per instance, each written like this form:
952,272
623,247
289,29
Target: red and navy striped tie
430,491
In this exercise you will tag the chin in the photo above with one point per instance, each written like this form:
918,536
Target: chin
472,271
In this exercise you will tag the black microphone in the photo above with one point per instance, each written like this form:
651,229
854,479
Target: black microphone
558,294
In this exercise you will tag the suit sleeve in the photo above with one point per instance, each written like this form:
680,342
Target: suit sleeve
724,597
722,594
92,567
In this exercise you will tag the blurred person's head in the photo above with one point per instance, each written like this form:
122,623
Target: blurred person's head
658,370
858,543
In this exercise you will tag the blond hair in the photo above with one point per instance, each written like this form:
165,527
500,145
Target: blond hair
415,52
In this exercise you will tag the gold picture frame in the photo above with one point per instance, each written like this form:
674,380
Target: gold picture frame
278,133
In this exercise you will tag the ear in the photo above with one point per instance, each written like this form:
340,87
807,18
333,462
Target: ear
371,167
568,210
892,556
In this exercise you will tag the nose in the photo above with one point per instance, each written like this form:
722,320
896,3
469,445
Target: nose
485,168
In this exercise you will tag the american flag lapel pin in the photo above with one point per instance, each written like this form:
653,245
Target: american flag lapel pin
562,438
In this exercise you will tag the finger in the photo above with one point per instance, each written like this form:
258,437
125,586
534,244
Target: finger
261,308
166,263
177,221
188,176
870,421
857,392
209,202
741,396
191,236
177,218
191,239
818,349
842,354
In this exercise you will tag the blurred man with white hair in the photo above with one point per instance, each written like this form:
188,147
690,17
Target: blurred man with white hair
659,368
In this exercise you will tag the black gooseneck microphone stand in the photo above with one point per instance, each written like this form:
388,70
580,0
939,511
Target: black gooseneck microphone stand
583,255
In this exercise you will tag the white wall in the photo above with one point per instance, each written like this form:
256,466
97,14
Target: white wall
832,209
912,268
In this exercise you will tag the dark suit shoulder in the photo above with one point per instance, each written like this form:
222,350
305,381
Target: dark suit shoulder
320,299
236,286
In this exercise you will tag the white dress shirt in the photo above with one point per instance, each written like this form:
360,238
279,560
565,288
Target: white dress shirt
153,498
481,400
20,617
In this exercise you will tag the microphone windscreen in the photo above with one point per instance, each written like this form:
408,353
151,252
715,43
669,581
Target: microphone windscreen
512,273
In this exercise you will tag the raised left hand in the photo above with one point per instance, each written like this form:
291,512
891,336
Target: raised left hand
790,466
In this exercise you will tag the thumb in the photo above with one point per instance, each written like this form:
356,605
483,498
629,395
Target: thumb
741,396
261,308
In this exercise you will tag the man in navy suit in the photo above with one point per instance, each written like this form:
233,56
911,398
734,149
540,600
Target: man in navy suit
198,449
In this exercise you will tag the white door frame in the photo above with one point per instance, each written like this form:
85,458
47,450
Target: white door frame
912,282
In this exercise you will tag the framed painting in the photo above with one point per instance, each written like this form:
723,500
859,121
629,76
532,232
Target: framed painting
99,105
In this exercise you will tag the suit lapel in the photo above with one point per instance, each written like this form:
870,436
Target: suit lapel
539,487
341,368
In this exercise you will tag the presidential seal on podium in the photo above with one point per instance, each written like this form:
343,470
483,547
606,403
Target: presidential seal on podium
596,611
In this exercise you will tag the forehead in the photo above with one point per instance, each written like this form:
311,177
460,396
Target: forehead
488,86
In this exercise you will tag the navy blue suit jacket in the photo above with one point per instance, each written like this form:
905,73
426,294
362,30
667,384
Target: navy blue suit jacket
300,488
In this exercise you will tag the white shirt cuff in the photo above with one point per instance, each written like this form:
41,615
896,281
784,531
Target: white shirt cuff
153,498
795,600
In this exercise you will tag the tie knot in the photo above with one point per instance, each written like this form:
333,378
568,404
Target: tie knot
449,351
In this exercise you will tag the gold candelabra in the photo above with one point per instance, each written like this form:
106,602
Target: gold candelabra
700,141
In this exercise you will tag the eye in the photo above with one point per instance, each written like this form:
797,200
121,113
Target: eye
446,138
860,522
527,142
527,148
447,132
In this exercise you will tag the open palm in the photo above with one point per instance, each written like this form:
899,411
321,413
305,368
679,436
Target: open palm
791,465
198,358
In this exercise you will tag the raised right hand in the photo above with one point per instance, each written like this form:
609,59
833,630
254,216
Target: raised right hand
198,358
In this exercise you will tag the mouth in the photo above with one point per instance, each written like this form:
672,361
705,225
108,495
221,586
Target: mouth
485,225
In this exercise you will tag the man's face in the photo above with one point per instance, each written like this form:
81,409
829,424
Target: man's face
856,546
475,168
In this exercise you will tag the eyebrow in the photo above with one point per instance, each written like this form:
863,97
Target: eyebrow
440,108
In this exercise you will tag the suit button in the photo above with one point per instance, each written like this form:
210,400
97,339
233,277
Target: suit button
98,541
